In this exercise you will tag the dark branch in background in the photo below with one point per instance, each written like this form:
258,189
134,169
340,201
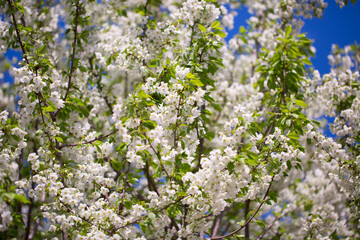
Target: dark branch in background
17,32
246,212
152,185
126,83
43,120
100,85
200,146
64,235
284,82
216,224
73,52
37,222
124,180
252,216
192,34
176,123
28,222
158,155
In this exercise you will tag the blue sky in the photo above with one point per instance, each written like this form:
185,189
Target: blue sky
337,26
340,26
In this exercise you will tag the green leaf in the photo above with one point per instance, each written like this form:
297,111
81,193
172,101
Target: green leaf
196,82
149,124
49,109
21,199
288,31
67,31
202,28
301,103
334,235
142,227
288,164
25,171
190,75
171,212
116,165
260,223
42,49
273,196
154,63
182,194
293,135
59,139
220,33
306,61
215,24
128,204
82,68
185,167
142,94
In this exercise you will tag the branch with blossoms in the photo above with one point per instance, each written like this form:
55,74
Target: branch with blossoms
89,141
17,31
251,217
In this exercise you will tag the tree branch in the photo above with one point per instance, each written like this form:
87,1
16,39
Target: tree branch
246,212
87,142
17,32
252,216
73,53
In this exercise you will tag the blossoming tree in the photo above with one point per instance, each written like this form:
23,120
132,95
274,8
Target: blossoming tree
137,120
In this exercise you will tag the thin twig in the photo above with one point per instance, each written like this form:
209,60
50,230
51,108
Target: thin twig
216,225
176,123
73,53
87,142
252,216
158,155
17,32
246,212
28,222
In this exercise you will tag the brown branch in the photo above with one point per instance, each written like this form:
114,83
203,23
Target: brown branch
17,31
43,120
87,142
28,222
252,216
64,235
246,212
152,185
284,82
176,123
158,155
216,224
73,53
